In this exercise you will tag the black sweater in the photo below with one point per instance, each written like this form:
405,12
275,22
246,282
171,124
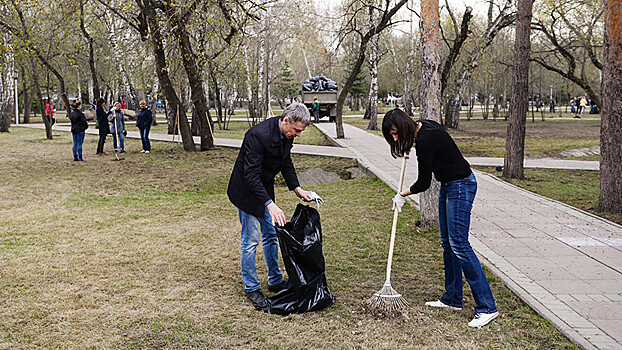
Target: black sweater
437,153
78,121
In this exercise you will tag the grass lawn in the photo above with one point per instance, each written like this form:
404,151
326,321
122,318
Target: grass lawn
237,129
486,138
578,188
144,254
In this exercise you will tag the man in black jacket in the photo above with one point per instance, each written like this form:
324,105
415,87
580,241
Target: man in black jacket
264,153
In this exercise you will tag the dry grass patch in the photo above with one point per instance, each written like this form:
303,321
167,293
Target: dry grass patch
144,254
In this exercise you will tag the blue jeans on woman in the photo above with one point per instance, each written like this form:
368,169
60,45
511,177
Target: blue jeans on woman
121,139
454,207
250,239
78,140
144,137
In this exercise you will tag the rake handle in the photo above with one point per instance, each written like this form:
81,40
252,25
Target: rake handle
394,225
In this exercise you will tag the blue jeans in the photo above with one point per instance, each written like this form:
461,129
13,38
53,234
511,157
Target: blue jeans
454,207
78,140
144,137
121,140
250,239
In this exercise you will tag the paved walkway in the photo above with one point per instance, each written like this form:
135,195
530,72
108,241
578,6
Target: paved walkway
298,148
565,263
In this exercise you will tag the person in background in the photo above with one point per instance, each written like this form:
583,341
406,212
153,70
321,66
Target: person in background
438,154
583,104
49,111
122,103
117,128
104,126
143,122
316,110
78,128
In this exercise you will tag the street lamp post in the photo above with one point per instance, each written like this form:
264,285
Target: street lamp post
16,98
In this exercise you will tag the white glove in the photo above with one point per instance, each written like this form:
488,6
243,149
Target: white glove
398,202
316,198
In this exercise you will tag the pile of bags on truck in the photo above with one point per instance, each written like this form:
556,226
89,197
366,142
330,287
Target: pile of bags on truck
320,83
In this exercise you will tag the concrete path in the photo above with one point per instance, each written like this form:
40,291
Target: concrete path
564,262
298,148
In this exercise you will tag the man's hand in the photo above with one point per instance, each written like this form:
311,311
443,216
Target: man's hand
277,214
304,195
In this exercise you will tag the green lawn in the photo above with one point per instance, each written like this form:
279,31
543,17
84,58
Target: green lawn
144,254
486,138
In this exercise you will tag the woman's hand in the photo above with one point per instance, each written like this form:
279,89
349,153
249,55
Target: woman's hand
398,202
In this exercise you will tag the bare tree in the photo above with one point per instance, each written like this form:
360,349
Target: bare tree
384,21
610,197
515,141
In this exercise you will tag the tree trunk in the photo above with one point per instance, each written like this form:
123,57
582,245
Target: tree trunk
37,88
610,197
172,100
430,96
89,39
374,58
452,110
193,72
28,96
7,89
515,141
116,53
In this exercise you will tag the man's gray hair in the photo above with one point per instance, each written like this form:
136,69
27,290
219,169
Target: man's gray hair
297,112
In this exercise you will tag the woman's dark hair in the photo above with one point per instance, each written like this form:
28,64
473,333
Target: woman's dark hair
99,102
405,126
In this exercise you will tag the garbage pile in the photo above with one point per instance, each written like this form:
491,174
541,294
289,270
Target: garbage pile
320,83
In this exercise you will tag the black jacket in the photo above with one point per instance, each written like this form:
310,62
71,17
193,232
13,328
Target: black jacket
262,156
144,118
78,121
437,153
102,119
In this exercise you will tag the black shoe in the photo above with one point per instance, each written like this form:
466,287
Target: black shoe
122,151
275,288
256,297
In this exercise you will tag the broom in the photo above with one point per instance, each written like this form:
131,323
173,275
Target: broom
387,299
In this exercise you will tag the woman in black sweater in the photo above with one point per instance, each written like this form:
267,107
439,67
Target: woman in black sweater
104,127
78,127
438,154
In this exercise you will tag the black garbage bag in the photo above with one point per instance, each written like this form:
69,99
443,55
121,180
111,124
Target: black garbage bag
300,241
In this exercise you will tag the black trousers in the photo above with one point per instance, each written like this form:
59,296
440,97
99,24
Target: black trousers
100,144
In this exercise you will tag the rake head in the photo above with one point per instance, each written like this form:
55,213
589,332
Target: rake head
386,300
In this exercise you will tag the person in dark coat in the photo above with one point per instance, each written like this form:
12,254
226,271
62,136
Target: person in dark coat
143,122
104,126
438,154
265,152
117,128
78,128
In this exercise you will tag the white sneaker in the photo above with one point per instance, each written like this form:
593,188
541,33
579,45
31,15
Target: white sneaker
146,151
482,319
142,151
440,304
